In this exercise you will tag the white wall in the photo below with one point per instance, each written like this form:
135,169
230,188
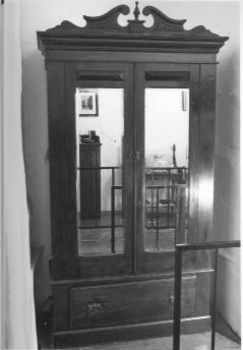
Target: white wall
221,18
166,124
227,172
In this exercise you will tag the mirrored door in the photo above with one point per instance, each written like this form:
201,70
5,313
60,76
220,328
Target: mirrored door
103,109
100,134
165,101
166,164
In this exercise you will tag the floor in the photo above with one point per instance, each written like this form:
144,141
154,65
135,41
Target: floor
225,340
188,342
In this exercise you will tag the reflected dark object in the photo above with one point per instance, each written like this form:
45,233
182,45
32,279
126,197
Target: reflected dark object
90,181
91,137
174,155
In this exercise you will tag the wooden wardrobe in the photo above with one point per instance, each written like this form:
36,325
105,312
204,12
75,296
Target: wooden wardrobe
113,273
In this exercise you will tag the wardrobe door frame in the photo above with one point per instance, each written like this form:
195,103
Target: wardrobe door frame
63,79
173,75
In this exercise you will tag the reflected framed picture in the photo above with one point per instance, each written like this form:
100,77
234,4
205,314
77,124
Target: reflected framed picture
88,101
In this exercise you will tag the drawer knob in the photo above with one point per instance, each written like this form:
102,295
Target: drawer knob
94,308
171,299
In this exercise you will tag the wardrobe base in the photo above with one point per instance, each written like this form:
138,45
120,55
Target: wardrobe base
130,332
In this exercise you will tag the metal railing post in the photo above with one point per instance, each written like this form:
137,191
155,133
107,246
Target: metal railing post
179,248
214,298
177,299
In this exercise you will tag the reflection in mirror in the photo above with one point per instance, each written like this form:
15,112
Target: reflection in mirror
166,167
99,127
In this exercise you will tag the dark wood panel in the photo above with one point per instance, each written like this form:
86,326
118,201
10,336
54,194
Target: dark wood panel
168,71
165,261
167,84
111,56
128,168
95,84
105,75
206,156
102,74
61,155
158,261
82,282
129,332
101,306
102,265
90,180
61,308
203,292
167,75
56,106
194,131
139,164
101,68
61,291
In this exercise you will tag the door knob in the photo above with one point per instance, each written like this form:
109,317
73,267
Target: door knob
130,154
135,155
171,299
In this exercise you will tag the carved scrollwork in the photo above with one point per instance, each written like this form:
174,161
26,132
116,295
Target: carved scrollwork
201,30
108,34
108,23
162,22
64,26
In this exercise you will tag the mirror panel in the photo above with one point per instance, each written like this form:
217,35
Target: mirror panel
99,128
166,166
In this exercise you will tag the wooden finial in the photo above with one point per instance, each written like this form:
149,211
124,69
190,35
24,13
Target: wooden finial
136,11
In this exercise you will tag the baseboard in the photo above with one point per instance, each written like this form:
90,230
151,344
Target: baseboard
128,332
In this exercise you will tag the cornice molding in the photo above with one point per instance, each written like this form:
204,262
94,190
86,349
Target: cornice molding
105,33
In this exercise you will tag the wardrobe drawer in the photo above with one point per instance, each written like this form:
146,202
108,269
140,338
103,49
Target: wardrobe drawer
126,303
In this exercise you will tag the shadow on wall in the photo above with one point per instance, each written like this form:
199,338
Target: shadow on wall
35,143
228,102
227,185
227,151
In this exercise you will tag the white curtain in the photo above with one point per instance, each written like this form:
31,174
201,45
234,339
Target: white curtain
18,302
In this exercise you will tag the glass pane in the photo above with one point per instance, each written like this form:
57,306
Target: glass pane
166,166
100,125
